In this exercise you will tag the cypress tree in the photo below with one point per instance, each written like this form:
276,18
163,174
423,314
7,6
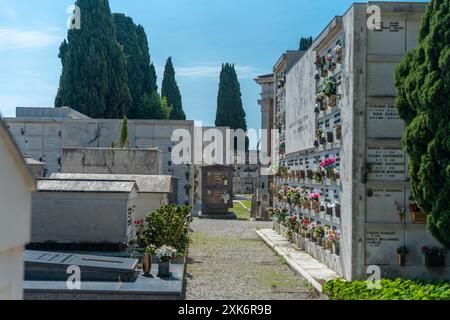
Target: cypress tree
124,133
94,77
230,111
171,92
141,74
305,43
423,83
150,107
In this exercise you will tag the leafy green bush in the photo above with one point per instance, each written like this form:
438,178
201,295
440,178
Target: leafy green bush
422,82
390,290
169,226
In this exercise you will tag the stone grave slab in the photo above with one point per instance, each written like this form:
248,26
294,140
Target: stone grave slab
52,266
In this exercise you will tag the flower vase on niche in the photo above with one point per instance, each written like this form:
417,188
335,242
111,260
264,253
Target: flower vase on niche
164,254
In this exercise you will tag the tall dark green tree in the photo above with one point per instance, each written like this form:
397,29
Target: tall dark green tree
94,76
151,107
230,111
423,84
171,92
305,43
141,74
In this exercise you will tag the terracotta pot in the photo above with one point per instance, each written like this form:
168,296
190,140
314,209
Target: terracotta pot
418,217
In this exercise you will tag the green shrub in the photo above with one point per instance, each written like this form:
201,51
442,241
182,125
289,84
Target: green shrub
168,226
390,290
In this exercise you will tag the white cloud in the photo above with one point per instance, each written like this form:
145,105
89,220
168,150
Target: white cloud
211,71
12,38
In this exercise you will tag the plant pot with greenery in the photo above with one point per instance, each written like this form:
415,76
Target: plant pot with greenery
165,255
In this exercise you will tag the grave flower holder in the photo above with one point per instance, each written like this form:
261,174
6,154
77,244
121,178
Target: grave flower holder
302,174
336,249
418,217
337,210
338,129
434,260
163,269
330,137
401,259
315,206
329,245
323,141
332,101
147,264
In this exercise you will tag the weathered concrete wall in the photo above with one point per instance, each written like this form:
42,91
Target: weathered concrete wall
44,139
73,217
147,203
300,97
15,216
112,161
11,274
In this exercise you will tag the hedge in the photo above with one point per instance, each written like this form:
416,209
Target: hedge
390,290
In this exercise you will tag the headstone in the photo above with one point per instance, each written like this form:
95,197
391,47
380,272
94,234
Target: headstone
217,191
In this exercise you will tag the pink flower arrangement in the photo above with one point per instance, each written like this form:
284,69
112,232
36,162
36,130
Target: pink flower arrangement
313,196
328,163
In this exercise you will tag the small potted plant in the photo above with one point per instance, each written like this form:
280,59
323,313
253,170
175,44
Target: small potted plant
330,237
417,214
338,52
337,243
401,255
434,257
164,254
318,234
321,137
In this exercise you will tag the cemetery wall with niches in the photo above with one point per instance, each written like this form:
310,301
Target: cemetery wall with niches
344,180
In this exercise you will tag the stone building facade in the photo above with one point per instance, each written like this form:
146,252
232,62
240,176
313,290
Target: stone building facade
246,176
266,102
343,144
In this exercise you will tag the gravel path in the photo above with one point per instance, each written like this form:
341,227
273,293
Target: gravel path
228,261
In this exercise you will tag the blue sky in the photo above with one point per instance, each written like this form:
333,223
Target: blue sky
200,35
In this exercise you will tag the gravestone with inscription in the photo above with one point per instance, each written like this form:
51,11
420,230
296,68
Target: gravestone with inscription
217,192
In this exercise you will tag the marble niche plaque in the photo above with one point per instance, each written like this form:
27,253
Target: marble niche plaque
387,163
382,242
383,204
383,121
